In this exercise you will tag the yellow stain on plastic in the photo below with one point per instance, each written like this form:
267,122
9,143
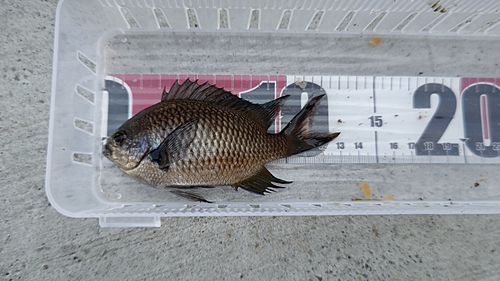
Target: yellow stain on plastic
366,190
389,198
368,195
375,41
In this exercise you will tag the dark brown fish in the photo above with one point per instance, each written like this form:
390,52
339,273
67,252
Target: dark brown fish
201,135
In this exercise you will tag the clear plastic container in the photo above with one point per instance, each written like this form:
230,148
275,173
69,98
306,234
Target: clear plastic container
139,46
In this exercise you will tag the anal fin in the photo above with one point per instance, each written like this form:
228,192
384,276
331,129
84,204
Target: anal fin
261,183
190,196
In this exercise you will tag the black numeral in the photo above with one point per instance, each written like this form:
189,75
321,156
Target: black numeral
394,145
439,122
358,145
376,121
485,122
340,145
411,145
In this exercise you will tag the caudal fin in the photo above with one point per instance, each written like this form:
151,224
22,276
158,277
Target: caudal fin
298,133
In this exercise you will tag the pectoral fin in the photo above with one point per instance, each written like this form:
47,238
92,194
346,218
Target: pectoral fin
174,146
261,183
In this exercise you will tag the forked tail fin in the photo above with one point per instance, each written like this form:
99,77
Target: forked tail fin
298,133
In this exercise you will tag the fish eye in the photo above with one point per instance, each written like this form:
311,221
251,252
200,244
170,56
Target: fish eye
119,137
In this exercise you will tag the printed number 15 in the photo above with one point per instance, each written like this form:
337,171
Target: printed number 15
376,121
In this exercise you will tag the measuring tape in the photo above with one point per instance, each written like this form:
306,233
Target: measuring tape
381,119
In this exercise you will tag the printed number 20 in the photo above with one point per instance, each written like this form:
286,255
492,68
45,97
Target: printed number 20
479,123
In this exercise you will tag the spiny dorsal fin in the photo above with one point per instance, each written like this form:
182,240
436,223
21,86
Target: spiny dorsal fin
261,182
190,90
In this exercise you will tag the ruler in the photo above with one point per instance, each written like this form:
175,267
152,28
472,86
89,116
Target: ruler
381,119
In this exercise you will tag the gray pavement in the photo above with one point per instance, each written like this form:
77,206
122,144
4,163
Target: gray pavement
38,243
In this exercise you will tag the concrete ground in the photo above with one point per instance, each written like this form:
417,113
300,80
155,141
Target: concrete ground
38,243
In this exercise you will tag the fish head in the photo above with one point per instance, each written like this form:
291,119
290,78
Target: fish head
127,147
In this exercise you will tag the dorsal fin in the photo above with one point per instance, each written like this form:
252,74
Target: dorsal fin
190,90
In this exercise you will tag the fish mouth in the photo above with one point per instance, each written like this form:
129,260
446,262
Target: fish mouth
106,151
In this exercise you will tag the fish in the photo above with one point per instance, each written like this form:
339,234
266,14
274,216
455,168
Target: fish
200,135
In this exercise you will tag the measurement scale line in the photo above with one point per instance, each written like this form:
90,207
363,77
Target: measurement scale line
464,154
374,99
375,111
